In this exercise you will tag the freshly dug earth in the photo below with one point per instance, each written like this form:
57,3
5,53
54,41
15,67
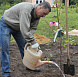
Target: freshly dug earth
47,70
41,39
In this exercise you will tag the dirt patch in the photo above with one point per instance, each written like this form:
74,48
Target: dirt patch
47,70
41,39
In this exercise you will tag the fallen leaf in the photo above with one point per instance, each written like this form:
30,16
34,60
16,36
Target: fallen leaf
47,49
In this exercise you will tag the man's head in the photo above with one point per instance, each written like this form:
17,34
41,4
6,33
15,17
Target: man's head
43,9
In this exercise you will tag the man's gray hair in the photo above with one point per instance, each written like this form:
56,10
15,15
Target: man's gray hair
45,5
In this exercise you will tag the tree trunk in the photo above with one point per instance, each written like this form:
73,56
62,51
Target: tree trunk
67,3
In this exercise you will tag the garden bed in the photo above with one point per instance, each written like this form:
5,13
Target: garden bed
47,70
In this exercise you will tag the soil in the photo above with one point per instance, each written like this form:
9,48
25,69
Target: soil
47,70
41,39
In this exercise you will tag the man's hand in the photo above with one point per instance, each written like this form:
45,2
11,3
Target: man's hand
35,46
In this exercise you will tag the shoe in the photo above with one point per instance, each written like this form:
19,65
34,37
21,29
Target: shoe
37,69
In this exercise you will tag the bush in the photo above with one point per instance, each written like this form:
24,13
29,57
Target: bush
77,10
71,2
72,6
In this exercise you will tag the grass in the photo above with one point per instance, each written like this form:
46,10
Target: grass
44,29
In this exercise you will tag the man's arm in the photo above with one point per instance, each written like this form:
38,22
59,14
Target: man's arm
26,29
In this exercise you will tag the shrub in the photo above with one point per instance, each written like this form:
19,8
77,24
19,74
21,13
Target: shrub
72,6
77,10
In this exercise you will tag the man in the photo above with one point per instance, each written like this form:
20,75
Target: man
21,21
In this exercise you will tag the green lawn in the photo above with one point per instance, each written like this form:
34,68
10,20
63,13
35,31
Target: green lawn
44,28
